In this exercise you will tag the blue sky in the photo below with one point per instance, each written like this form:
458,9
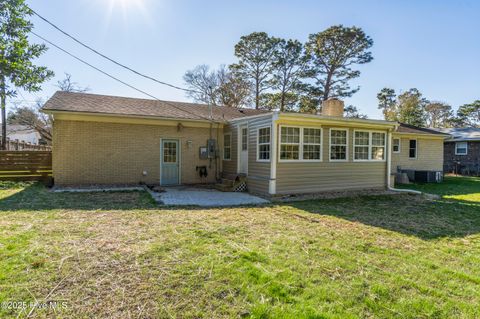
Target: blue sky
431,45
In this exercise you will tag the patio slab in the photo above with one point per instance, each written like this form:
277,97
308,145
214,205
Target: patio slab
191,196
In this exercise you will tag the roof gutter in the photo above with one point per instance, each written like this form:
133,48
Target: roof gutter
336,118
150,117
416,135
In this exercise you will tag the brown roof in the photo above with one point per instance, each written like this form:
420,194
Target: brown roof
407,128
104,104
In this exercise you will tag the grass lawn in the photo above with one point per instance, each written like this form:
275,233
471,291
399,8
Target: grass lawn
117,255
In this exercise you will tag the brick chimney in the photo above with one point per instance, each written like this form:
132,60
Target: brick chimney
333,107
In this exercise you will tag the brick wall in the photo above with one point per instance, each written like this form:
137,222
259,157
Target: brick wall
116,153
462,163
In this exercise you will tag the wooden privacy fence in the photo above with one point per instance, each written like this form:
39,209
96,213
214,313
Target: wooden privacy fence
16,145
25,165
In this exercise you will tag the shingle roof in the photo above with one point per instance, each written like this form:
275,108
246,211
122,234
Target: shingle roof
94,103
462,134
407,128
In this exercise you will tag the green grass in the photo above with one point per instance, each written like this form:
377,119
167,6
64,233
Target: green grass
117,255
454,187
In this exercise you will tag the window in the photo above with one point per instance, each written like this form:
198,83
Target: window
300,143
396,145
369,146
412,149
312,140
263,144
461,148
290,143
169,152
338,145
378,146
362,145
244,139
227,147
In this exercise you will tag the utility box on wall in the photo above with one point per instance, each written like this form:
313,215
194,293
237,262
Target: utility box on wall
212,147
203,152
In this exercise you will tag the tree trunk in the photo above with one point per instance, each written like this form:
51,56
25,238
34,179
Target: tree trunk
257,95
282,102
4,112
326,91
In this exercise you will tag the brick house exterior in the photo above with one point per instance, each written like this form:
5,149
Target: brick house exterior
111,140
462,151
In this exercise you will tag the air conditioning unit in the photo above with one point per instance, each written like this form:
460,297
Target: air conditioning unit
428,176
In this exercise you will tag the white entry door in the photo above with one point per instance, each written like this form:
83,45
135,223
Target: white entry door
243,150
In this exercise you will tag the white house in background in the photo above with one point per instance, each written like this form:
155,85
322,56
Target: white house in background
22,133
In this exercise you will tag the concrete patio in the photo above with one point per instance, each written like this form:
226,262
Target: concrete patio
191,196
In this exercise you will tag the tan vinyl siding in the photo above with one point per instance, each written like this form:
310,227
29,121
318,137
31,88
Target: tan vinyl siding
305,177
118,153
429,154
258,172
230,166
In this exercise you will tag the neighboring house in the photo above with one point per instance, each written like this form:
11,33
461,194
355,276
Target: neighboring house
114,140
22,133
462,150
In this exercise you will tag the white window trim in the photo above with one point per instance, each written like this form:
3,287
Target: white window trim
330,144
321,143
416,149
370,146
269,143
239,145
466,149
399,145
230,138
300,145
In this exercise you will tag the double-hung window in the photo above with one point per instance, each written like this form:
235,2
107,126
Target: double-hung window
312,143
369,146
412,149
263,144
338,144
396,145
289,143
300,144
227,147
362,146
461,148
378,146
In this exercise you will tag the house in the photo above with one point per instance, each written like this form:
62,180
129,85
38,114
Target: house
106,140
462,150
417,149
22,133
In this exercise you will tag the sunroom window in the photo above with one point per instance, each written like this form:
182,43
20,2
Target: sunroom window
378,146
263,144
338,145
227,147
369,146
290,143
312,139
362,141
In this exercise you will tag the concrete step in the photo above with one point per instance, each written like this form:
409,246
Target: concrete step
228,182
224,187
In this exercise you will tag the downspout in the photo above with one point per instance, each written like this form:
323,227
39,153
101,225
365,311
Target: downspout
389,169
272,183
